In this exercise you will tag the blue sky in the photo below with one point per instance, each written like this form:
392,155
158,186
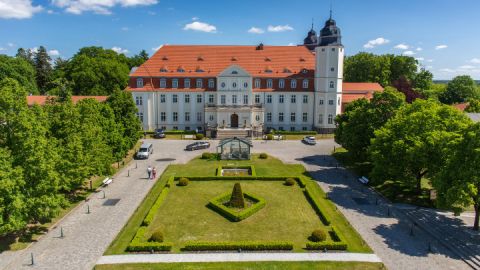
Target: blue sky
442,34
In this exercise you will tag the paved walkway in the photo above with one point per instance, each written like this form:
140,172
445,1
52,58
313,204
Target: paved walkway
238,257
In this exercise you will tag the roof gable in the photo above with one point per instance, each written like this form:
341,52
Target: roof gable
234,71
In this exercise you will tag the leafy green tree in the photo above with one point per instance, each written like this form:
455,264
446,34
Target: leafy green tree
459,90
473,106
25,55
43,68
361,118
458,183
367,67
125,110
423,80
413,143
20,70
402,66
138,59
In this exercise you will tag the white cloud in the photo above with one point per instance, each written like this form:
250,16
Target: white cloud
200,26
466,67
408,53
429,60
441,47
120,50
419,58
125,28
292,44
151,13
256,30
98,6
375,42
419,49
2,49
157,48
447,70
279,28
195,19
53,53
17,9
475,61
10,44
402,46
429,67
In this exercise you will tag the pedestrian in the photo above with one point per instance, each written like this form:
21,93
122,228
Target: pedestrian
149,172
154,172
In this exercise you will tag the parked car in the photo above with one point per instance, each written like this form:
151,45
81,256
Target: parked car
145,151
276,137
309,140
159,134
197,145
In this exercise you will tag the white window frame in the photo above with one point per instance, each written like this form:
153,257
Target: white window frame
199,98
199,83
269,83
330,119
293,83
281,98
293,99
163,83
162,98
187,116
269,117
305,99
174,83
281,83
245,99
305,83
269,98
139,82
234,99
211,83
280,117
186,98
163,116
257,99
257,83
139,101
174,98
186,83
175,117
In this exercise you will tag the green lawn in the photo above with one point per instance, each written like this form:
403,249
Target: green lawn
247,266
286,216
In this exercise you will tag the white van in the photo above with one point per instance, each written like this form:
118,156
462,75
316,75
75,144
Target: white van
145,151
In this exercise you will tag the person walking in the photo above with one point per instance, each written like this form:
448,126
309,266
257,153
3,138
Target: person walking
154,172
149,172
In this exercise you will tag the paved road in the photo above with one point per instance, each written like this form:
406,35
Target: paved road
238,257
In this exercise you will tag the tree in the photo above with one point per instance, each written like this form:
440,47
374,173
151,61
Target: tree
356,126
414,142
459,90
458,183
237,200
138,59
25,55
20,70
404,86
423,80
367,67
43,68
402,66
473,106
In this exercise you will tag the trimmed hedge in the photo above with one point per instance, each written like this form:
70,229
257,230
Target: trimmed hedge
326,245
301,182
318,235
239,178
183,181
149,246
316,206
216,205
170,182
199,136
245,245
263,155
289,182
300,132
151,213
336,235
138,238
171,132
207,155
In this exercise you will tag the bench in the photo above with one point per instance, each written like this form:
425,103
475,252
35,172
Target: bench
363,180
107,181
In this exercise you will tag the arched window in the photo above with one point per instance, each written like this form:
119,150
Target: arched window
186,83
175,83
332,84
245,84
139,82
305,83
199,83
293,83
330,119
234,85
211,83
257,83
269,83
163,83
281,83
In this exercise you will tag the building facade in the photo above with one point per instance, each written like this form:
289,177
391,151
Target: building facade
252,88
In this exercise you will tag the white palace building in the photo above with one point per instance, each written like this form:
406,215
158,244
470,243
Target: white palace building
237,90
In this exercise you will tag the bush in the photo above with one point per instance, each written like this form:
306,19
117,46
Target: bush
316,206
216,204
149,246
326,245
183,181
269,137
207,155
263,156
199,136
244,245
289,182
318,235
153,211
157,236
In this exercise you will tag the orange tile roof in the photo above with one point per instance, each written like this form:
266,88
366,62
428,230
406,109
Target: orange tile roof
461,106
213,59
41,100
349,86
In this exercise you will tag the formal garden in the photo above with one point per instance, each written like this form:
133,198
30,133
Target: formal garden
265,205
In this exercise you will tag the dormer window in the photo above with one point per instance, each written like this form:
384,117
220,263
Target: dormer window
302,59
200,58
305,83
139,82
163,69
268,70
267,59
293,83
164,58
287,70
304,70
180,69
234,72
199,69
234,58
163,83
269,83
281,83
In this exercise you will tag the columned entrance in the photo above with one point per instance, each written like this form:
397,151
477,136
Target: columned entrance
234,120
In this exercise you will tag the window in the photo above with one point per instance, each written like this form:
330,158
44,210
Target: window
234,99
199,98
223,99
320,118
338,102
269,117
257,117
211,117
187,98
269,83
281,83
330,102
293,83
280,117
175,98
281,98
304,128
187,128
257,83
292,128
332,85
210,98
245,99
175,116
293,99
175,83
162,98
332,69
163,116
186,83
140,116
211,83
187,116
269,98
139,82
234,72
280,128
164,127
163,83
304,117
138,101
223,85
245,84
330,119
199,116
199,128
292,117
198,83
305,99
323,49
257,99
305,83
234,85
320,102
175,128
333,49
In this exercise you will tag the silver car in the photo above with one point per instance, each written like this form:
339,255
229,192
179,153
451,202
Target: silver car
310,140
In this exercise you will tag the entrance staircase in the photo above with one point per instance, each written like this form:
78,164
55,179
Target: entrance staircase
223,133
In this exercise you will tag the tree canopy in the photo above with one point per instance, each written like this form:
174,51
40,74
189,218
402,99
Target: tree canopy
460,90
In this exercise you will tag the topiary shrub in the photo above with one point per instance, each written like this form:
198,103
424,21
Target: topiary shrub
289,182
199,136
157,236
207,155
237,200
263,155
269,137
318,235
183,181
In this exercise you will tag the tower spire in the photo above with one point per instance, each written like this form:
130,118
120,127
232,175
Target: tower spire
312,23
330,10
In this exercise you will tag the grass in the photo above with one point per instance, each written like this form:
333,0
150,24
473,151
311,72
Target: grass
248,266
185,217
